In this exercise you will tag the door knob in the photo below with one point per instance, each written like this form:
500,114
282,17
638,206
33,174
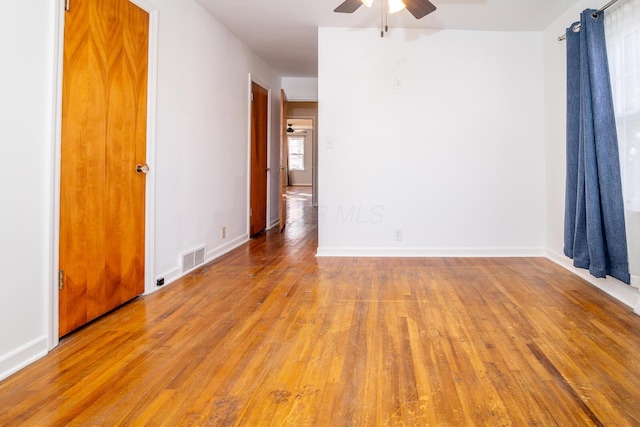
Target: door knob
142,168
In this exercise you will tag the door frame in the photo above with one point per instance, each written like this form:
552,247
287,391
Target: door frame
54,226
283,164
314,147
254,79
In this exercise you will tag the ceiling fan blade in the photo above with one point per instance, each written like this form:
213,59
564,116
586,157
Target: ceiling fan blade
419,8
349,6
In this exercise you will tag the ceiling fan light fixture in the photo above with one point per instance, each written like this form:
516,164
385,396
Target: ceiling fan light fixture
395,6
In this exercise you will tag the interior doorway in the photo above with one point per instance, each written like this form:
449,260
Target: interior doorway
306,110
300,152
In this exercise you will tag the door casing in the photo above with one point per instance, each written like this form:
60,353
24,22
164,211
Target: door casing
314,146
283,166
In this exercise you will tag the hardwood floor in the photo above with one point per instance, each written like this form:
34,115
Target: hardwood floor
271,335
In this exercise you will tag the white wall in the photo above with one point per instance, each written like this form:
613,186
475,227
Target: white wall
555,136
27,37
439,134
203,135
200,166
300,88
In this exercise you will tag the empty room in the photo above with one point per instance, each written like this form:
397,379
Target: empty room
320,213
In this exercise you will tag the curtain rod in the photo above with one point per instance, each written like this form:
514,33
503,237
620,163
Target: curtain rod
577,27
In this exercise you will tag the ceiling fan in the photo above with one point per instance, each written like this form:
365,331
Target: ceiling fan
418,8
290,129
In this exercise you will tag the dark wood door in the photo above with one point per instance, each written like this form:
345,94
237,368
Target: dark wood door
258,206
102,198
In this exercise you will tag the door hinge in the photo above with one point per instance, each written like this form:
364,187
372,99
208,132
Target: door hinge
251,96
250,211
60,280
67,5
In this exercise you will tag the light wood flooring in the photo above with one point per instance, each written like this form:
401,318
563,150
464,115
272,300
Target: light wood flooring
271,335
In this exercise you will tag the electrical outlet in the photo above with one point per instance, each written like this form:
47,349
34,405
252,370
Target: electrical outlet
397,235
160,281
224,232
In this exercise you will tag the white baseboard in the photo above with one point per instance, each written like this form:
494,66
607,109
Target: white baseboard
274,224
431,253
211,255
226,248
22,356
624,293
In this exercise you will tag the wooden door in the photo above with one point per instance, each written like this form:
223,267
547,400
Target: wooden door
258,207
283,160
104,115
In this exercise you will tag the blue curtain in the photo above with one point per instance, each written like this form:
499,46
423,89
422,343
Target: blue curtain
594,232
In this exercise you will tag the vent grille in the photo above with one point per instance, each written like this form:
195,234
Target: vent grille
199,256
188,261
192,259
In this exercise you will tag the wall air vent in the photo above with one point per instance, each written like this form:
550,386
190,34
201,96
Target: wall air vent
188,261
192,259
199,256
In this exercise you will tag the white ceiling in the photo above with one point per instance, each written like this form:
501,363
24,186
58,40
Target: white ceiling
284,32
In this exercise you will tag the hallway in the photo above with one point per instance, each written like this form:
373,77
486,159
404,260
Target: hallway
271,335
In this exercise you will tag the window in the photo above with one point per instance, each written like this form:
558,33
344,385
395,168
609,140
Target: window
622,28
623,50
296,153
